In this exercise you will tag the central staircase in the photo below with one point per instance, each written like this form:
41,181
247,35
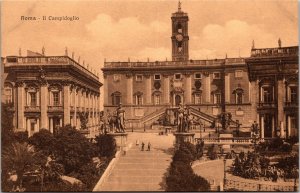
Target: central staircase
140,170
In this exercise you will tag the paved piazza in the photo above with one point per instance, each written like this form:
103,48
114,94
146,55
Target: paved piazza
142,170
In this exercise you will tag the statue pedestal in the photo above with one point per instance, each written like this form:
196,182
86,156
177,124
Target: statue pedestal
184,137
121,139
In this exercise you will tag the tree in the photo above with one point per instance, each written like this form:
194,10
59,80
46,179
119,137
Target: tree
44,141
72,149
7,134
21,158
106,145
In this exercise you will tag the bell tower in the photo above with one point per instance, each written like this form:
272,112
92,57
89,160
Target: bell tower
180,37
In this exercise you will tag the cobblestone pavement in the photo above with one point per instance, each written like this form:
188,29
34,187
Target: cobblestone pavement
142,170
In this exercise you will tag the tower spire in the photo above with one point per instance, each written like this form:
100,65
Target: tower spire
179,6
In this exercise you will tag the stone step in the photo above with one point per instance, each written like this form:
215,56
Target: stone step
137,172
145,160
142,166
131,187
135,179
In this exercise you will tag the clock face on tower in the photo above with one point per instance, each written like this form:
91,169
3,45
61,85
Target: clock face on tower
179,37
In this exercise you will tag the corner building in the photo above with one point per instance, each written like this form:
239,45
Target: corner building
49,91
148,89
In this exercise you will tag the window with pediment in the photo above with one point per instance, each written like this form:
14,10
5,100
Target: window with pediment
116,98
8,93
32,93
138,98
55,95
239,92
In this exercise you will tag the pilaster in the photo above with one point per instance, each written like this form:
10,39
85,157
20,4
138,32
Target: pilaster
66,90
44,105
20,104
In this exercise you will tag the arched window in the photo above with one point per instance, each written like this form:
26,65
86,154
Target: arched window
8,93
216,97
197,97
238,95
55,92
267,94
179,28
138,98
32,95
116,98
157,97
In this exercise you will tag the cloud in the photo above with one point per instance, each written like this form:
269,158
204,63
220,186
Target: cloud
125,33
234,38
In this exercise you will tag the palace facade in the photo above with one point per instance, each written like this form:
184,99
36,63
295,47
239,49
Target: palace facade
49,91
261,88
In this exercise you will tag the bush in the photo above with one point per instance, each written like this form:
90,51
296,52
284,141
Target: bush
212,152
106,146
181,176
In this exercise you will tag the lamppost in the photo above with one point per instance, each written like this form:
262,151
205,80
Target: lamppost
224,172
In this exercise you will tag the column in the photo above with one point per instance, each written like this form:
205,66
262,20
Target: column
60,121
254,99
105,89
51,124
289,127
75,106
28,126
66,103
280,101
166,89
129,89
37,125
20,107
148,89
262,127
44,106
274,132
249,93
188,89
207,88
227,88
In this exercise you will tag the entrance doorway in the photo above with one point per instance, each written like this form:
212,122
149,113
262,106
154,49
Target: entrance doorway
268,125
178,100
56,124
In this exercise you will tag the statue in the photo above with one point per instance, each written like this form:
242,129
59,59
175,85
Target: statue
116,122
184,119
120,119
180,118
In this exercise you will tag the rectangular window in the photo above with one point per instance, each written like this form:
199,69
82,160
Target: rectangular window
239,98
217,98
197,76
156,99
157,77
177,76
216,75
139,99
294,94
32,99
56,99
8,95
197,99
268,94
238,73
139,78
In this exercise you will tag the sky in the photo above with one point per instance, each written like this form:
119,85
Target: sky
116,30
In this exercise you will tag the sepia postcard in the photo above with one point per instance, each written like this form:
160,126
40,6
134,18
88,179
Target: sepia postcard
149,95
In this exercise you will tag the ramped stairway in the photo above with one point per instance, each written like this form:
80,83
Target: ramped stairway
140,170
